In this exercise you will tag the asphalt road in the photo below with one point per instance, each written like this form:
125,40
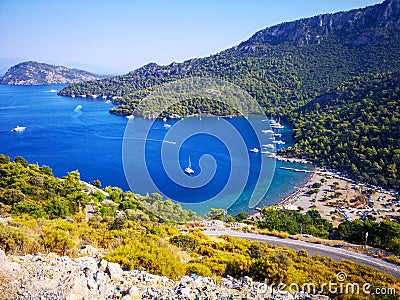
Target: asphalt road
336,254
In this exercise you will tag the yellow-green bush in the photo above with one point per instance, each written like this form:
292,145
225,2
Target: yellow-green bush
16,241
149,254
198,268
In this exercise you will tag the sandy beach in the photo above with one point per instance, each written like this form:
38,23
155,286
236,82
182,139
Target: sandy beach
338,198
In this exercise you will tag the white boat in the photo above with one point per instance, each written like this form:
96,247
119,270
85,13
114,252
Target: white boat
271,146
255,150
279,142
167,125
94,96
78,108
277,126
104,97
277,134
267,131
108,101
19,128
73,96
189,169
53,91
83,96
130,117
164,119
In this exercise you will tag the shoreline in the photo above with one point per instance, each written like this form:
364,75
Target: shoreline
338,198
287,200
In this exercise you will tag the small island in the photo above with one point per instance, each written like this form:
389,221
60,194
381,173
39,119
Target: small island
35,73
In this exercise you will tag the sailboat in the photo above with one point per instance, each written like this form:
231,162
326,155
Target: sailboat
189,169
19,128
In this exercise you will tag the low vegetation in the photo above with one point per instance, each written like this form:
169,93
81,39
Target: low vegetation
48,216
163,250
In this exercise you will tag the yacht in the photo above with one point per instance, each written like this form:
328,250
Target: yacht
78,108
278,126
53,91
104,97
19,128
167,125
130,117
270,146
164,119
189,169
73,96
255,150
267,131
94,96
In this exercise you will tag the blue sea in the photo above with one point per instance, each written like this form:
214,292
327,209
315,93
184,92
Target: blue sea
147,155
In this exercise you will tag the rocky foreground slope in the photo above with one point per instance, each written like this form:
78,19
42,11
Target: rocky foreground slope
35,73
88,277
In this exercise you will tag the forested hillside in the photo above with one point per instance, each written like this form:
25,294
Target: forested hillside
355,128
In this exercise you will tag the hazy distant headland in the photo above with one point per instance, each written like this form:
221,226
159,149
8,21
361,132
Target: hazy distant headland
35,73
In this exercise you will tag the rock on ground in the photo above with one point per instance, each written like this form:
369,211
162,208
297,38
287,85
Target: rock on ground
48,276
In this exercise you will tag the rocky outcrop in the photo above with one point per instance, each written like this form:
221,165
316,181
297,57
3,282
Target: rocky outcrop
314,30
34,73
53,277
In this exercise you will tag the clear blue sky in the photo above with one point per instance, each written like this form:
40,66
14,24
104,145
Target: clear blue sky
123,35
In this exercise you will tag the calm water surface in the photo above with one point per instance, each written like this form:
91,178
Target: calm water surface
90,140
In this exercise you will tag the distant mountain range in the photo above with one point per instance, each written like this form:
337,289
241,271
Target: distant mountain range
35,73
283,66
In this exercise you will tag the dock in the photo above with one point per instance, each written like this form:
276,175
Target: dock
296,170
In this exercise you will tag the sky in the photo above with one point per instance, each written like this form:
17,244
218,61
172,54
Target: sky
121,35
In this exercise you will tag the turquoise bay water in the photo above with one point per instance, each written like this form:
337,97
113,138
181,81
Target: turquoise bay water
90,140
